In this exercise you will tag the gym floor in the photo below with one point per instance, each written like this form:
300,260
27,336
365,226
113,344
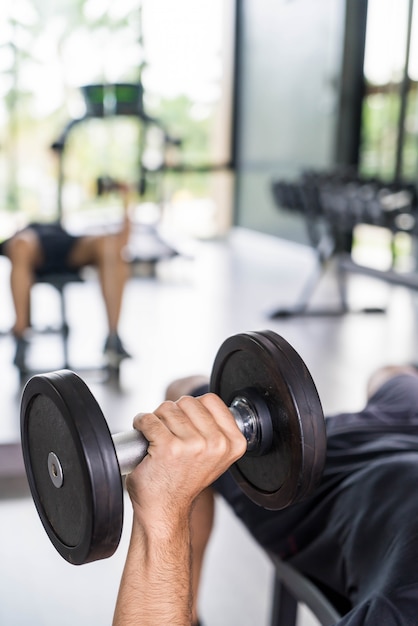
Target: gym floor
173,325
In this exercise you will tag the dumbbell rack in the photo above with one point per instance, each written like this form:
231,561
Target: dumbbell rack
332,204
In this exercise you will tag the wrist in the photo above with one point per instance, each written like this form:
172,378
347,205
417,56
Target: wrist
161,525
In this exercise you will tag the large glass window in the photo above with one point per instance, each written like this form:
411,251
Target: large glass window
180,53
390,109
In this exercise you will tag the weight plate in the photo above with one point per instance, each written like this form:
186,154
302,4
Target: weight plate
292,467
71,466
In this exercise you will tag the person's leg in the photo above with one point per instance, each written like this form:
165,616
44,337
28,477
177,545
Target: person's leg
25,254
386,373
195,385
379,546
372,523
105,253
392,400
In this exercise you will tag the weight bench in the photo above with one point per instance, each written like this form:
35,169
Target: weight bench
59,281
291,588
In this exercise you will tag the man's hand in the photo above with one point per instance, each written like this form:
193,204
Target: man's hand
191,443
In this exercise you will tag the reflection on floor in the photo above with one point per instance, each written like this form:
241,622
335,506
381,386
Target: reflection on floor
173,325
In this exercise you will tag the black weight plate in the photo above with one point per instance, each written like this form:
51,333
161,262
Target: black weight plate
83,518
293,466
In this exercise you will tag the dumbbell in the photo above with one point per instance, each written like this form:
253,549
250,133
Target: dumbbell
75,466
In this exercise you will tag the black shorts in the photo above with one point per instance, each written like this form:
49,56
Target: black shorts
357,535
56,244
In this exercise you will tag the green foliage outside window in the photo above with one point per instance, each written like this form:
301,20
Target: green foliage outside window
45,36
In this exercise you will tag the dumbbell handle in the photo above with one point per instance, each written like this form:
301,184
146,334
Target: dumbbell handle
131,446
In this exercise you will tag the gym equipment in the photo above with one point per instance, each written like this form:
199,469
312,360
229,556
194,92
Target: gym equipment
106,101
60,280
74,465
332,204
291,589
286,471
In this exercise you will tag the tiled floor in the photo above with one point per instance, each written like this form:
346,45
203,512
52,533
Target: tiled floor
174,325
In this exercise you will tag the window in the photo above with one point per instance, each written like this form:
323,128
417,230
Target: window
389,147
178,51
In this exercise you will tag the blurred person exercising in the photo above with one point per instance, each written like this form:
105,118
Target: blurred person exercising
40,249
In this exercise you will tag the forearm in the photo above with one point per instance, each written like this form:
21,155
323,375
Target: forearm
191,442
155,586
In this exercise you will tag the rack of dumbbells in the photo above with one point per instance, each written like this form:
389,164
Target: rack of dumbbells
332,204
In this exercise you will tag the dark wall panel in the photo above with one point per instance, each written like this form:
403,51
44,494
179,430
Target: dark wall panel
290,60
